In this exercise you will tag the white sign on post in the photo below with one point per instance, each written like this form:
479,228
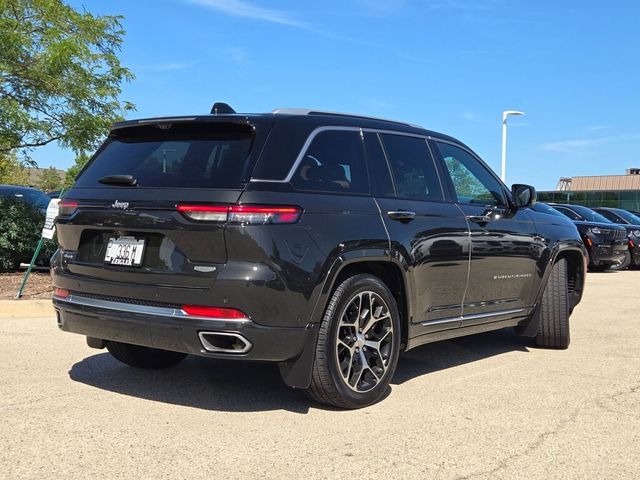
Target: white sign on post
52,212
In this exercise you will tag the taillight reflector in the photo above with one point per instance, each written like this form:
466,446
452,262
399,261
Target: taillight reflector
61,292
67,207
213,312
244,214
205,213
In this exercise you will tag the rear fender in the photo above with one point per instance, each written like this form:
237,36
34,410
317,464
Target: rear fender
297,373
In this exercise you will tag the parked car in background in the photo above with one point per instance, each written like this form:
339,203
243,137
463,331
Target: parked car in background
325,242
606,242
29,195
631,222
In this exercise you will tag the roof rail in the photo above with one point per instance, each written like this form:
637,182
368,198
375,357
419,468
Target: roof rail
307,111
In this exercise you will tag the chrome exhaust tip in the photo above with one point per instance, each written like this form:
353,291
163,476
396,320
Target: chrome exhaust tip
224,342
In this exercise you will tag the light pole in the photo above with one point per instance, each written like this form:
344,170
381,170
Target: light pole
505,114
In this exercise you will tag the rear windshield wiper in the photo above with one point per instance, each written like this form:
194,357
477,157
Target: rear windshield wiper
128,180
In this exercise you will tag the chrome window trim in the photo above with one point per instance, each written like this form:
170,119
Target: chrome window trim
336,128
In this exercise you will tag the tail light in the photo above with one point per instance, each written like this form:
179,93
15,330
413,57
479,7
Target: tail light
242,214
67,207
631,244
61,292
214,312
205,213
588,241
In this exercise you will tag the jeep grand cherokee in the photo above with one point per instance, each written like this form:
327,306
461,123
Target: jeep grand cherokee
328,243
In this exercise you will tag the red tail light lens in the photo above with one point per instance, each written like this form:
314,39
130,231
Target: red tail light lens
67,207
214,312
244,214
61,292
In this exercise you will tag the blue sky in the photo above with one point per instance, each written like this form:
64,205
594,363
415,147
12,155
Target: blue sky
449,65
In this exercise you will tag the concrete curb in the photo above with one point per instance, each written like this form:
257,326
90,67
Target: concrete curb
26,308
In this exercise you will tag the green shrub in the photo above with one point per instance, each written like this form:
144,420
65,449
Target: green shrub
20,228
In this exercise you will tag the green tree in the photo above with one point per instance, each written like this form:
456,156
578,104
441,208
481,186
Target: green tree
70,175
12,172
60,75
50,180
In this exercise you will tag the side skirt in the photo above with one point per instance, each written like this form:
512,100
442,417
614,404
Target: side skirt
463,331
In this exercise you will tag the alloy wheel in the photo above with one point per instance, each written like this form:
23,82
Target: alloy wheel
364,341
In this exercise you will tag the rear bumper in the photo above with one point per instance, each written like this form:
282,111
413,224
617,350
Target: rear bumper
170,329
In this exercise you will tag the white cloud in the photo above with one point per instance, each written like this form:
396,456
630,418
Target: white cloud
381,6
583,144
470,116
597,128
240,8
571,146
237,54
168,66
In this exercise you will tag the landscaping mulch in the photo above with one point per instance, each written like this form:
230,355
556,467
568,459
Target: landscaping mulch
38,285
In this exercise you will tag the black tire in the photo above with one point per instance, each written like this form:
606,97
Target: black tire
144,357
328,384
626,261
553,312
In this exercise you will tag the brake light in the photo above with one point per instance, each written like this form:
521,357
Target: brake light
61,292
67,207
242,214
214,312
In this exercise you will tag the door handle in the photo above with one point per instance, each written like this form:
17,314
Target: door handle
479,218
401,215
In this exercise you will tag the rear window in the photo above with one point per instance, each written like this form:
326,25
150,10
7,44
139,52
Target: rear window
182,156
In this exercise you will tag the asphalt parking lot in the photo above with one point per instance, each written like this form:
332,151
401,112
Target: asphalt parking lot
487,406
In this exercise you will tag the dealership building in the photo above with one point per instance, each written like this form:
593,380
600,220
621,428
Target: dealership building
619,191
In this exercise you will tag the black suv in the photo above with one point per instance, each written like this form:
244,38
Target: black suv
631,222
606,242
328,243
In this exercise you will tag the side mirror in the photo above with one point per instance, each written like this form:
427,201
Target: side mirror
523,195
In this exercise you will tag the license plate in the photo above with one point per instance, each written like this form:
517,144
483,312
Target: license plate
125,251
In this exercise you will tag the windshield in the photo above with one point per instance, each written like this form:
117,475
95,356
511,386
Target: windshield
544,208
589,214
184,156
628,216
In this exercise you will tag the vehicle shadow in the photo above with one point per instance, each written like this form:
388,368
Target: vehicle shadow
233,386
436,356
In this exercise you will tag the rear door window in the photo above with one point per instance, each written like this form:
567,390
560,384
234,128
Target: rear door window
413,168
334,162
189,156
